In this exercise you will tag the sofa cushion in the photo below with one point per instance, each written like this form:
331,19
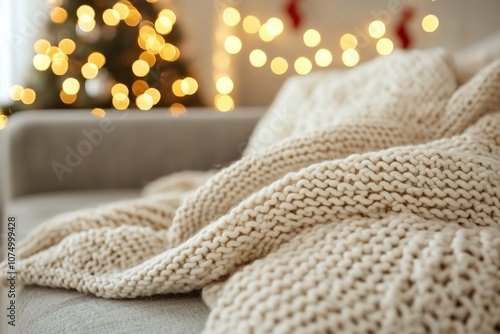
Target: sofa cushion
45,310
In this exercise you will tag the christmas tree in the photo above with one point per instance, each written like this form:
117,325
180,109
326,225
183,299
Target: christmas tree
107,53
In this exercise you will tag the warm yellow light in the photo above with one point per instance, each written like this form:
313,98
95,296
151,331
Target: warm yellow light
251,24
111,17
120,101
89,70
67,46
85,10
58,15
264,33
154,44
302,65
189,86
163,25
66,98
430,23
51,51
97,58
122,10
170,14
154,93
224,85
119,88
279,65
133,18
98,112
177,109
223,102
3,121
29,96
350,57
232,45
258,58
275,26
231,16
323,57
41,62
312,38
376,29
139,87
140,68
71,86
41,46
348,41
170,52
177,88
144,102
148,58
86,23
16,92
59,65
385,46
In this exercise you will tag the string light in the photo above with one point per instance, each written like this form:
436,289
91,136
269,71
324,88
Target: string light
67,46
232,45
224,102
133,18
28,96
119,88
16,92
385,46
122,10
177,88
350,57
231,16
303,65
41,62
348,41
98,112
139,87
323,57
120,101
71,86
224,85
312,38
154,93
58,15
163,25
111,17
140,68
258,58
97,58
189,86
376,29
41,46
148,58
279,65
169,14
144,102
251,24
169,52
66,98
89,70
264,33
430,23
274,26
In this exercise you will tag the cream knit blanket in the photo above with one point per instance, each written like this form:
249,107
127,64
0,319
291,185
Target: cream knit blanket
367,201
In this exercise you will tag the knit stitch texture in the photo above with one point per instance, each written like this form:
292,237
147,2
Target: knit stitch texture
367,201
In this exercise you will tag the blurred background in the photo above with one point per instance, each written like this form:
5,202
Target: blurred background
121,54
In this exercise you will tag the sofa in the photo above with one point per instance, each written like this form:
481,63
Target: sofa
60,161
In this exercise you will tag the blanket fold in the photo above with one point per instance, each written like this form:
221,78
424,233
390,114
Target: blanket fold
366,201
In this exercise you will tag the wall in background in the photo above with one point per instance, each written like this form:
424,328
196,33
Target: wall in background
462,23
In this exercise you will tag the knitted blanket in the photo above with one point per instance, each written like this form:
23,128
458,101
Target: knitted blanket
367,201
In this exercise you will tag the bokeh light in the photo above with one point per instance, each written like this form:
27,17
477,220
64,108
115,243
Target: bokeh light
323,57
430,23
140,68
98,112
385,46
350,57
89,70
376,29
312,38
223,102
258,58
348,41
71,86
279,65
224,85
302,65
231,16
251,24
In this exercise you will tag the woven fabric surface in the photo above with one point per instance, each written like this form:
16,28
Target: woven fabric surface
367,201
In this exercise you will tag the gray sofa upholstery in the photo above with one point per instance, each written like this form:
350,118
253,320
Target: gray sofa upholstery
59,161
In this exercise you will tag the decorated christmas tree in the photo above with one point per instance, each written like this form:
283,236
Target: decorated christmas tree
107,53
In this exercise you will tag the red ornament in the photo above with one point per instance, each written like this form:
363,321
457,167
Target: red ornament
402,27
293,12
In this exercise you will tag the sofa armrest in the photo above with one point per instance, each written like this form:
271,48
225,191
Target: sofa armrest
65,150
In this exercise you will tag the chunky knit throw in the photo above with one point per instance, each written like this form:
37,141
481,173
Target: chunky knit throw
367,201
